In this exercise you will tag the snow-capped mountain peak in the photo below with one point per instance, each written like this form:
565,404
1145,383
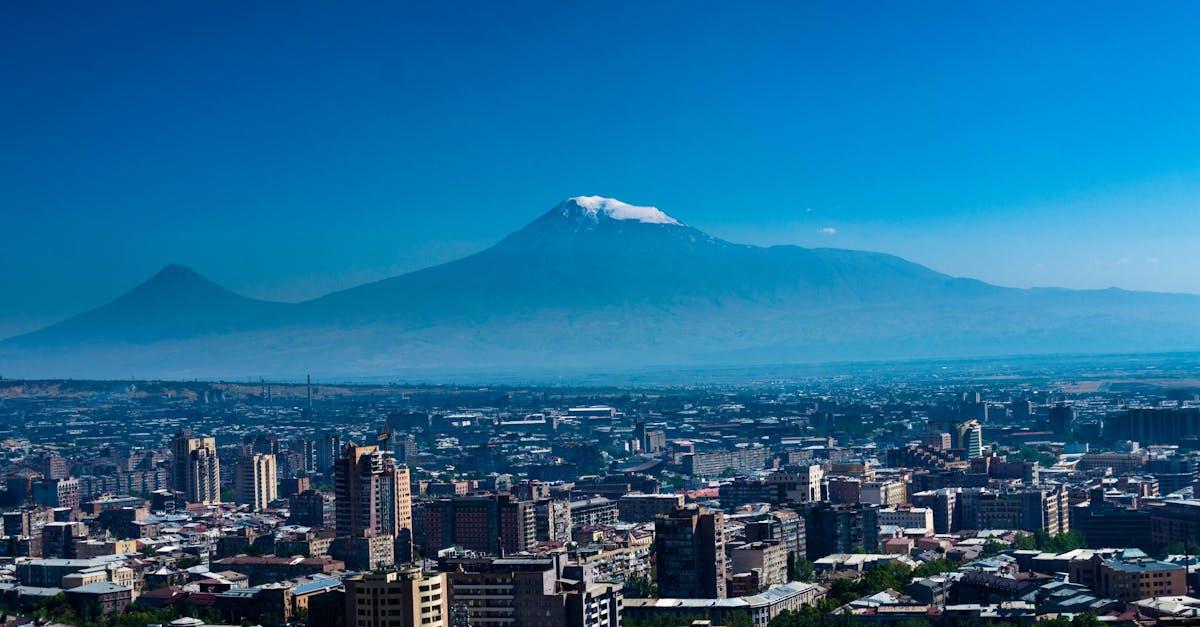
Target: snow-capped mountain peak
596,206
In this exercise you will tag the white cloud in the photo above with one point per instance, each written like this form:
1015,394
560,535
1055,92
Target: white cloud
1123,260
829,230
1152,260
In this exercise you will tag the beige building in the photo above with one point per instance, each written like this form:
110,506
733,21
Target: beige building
908,518
885,493
768,557
255,482
195,469
405,597
805,484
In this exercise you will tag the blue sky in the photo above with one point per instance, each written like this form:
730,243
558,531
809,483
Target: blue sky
288,149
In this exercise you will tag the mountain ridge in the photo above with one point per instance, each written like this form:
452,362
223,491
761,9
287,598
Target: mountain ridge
598,281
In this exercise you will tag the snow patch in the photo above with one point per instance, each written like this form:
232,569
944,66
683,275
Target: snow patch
617,210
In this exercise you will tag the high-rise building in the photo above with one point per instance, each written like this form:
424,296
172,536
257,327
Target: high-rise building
326,449
1062,417
373,496
833,528
970,438
404,597
553,520
492,524
255,481
195,469
689,553
1154,426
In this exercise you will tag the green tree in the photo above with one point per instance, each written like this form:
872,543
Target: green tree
639,587
935,566
890,575
800,569
738,619
1177,548
991,548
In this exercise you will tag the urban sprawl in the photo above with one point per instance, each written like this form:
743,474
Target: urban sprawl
931,499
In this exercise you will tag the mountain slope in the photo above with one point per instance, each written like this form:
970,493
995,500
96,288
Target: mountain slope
596,283
176,303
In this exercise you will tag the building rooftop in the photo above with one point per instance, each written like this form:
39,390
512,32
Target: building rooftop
100,587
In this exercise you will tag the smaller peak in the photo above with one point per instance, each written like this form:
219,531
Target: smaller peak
596,206
177,269
175,275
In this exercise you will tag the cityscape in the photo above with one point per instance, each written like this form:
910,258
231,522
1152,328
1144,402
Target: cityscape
599,314
1052,493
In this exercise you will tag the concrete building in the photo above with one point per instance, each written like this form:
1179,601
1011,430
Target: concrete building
1174,521
800,484
760,608
884,493
833,528
1062,419
645,507
59,492
552,520
768,557
689,553
99,599
1030,510
784,525
255,481
593,512
60,539
373,496
308,509
970,438
1131,575
195,469
1105,524
529,592
404,597
1154,426
489,524
742,491
908,518
370,552
713,464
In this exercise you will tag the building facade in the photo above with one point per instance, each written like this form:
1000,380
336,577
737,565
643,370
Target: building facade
397,598
195,469
689,553
255,481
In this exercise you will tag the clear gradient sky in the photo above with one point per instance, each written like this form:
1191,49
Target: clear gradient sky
288,149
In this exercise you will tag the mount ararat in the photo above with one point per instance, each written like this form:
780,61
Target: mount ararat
596,284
